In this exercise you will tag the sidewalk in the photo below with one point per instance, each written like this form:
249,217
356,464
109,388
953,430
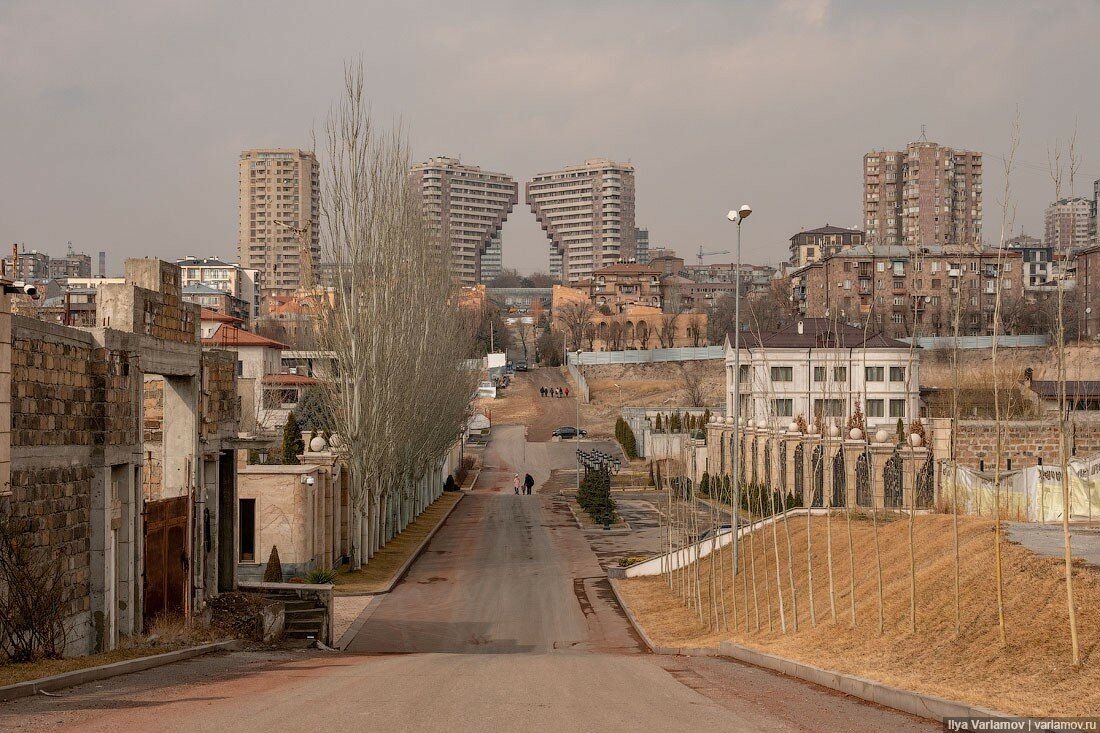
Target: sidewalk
383,570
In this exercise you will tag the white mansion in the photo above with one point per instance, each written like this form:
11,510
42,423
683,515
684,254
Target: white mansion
817,367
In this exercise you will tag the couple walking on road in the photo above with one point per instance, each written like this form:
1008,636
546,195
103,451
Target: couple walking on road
527,485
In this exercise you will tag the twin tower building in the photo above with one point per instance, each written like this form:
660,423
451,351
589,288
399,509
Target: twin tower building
586,210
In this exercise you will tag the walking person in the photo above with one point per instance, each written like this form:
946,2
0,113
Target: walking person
566,391
515,485
528,483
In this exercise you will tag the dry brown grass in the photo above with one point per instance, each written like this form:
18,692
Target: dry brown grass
644,385
976,365
379,572
1030,675
167,633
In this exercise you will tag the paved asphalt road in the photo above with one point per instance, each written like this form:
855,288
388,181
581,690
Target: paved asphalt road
505,623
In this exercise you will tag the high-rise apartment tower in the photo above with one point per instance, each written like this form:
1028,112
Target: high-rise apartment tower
468,207
588,214
924,195
279,208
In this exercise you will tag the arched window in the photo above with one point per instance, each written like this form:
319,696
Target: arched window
926,484
817,463
799,474
863,480
891,481
768,465
840,482
783,468
753,472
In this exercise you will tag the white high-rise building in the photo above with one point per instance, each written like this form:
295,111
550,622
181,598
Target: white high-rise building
588,214
1068,225
468,207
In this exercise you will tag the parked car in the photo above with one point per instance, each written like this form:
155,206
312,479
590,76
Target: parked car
567,431
521,366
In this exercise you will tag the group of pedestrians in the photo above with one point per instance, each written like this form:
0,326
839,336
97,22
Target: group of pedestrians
524,487
554,391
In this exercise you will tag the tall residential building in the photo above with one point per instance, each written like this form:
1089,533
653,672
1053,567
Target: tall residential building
492,261
1067,224
922,196
242,283
468,207
588,214
279,217
641,244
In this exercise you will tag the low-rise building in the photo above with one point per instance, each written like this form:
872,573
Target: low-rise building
821,369
219,301
243,283
905,292
813,245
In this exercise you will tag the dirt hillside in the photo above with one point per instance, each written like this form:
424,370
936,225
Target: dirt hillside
1030,674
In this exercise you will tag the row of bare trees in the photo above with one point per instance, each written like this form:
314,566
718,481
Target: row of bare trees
400,395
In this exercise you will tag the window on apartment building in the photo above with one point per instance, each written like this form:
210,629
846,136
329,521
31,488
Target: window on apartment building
897,374
783,408
809,251
783,374
899,269
897,318
246,513
874,374
880,266
897,408
935,265
744,372
819,373
875,408
840,374
847,266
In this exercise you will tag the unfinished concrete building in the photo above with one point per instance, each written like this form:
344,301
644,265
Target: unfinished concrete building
121,471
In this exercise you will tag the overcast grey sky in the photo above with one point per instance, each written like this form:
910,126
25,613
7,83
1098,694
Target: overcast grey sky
121,122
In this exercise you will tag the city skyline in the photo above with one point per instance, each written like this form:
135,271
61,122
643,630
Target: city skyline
726,89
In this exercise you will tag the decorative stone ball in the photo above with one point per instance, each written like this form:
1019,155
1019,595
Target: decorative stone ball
834,431
855,434
729,419
915,440
811,430
793,427
882,436
762,424
318,444
740,421
336,441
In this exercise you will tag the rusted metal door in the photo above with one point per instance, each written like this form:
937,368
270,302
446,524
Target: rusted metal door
165,556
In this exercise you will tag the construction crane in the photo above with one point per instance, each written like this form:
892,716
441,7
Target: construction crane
701,254
305,254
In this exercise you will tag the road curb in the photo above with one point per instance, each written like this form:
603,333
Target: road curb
907,701
357,625
412,557
105,671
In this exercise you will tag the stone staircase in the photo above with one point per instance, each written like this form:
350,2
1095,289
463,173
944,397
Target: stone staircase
305,610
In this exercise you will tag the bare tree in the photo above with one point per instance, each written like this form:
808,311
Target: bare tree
524,331
693,384
400,395
575,317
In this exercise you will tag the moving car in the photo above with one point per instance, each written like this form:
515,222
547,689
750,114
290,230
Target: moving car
521,366
567,431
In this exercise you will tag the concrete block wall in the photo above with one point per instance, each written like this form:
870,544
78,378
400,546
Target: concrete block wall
1024,442
220,402
152,476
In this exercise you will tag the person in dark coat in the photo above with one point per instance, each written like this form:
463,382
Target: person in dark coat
528,483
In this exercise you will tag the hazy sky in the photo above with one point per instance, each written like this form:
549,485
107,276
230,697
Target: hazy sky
121,122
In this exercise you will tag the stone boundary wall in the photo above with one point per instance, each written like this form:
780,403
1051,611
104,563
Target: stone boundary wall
220,402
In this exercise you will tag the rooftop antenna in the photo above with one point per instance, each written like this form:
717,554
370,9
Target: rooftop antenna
923,137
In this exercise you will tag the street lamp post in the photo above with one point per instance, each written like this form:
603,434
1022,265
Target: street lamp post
620,398
735,459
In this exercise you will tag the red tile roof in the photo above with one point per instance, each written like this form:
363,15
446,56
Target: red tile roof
230,337
206,314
